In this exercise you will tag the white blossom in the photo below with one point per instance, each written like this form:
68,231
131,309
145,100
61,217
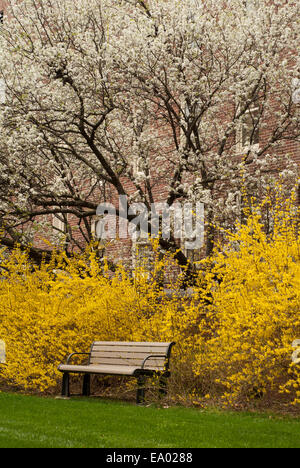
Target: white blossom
117,92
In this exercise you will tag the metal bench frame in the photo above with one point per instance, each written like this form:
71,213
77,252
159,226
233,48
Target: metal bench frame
140,372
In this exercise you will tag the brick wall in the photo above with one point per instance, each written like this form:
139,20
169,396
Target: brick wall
121,251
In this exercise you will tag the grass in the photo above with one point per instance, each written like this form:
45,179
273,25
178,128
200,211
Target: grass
34,422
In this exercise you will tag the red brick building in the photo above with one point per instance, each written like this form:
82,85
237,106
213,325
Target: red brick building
250,132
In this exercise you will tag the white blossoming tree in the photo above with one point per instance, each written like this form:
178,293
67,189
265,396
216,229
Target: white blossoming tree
190,99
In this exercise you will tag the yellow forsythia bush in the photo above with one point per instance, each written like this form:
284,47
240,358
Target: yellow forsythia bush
234,334
49,311
245,341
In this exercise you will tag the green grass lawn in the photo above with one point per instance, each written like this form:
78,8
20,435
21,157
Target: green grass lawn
33,422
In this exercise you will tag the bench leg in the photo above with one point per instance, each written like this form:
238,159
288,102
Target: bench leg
86,387
140,394
162,387
65,391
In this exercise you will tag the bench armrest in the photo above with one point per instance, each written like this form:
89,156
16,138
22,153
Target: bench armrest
152,356
75,354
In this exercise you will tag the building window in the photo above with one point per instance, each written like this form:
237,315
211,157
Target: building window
142,255
96,234
58,224
194,256
248,130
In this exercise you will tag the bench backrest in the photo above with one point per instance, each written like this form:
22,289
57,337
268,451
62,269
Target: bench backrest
131,354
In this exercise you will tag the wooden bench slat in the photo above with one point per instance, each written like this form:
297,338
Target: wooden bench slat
120,359
125,355
128,362
130,343
97,369
132,349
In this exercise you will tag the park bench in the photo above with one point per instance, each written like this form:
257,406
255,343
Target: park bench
139,360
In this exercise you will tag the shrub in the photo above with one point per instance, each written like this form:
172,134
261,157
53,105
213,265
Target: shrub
246,337
48,311
233,335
